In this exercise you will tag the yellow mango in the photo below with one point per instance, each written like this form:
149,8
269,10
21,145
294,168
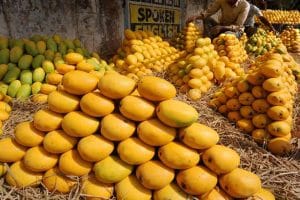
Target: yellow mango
39,98
134,152
94,148
84,66
115,127
171,191
130,189
191,180
279,128
136,108
10,150
63,68
198,136
155,89
78,124
58,142
95,189
54,180
27,135
54,78
47,88
62,102
19,176
116,86
155,133
176,114
37,159
73,58
96,105
46,120
79,82
278,113
70,163
153,168
177,156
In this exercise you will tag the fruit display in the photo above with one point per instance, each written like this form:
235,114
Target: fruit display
291,39
261,102
282,16
143,53
261,42
197,72
230,46
121,139
186,39
28,66
5,109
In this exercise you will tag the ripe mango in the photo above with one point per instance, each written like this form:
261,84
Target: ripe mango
39,98
70,163
73,58
62,102
176,114
79,82
96,105
134,152
153,168
136,108
221,159
191,180
171,191
46,120
130,189
27,135
112,170
78,124
54,180
198,136
94,148
155,133
240,183
58,141
116,86
178,156
48,66
20,176
96,189
11,151
115,127
47,88
54,78
37,159
155,89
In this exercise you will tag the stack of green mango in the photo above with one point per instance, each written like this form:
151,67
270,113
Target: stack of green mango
261,42
25,63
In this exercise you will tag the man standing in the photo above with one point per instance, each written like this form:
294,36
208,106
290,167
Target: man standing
250,29
233,17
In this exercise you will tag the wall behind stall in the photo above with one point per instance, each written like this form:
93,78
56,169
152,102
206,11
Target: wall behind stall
99,24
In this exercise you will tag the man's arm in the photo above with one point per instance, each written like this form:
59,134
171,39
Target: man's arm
212,9
266,23
243,15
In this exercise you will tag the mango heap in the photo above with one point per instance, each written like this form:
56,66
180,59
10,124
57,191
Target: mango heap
143,53
229,45
261,102
282,16
73,61
261,42
90,118
291,39
186,39
25,64
197,72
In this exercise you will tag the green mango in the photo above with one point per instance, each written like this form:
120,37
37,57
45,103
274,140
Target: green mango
3,70
13,88
4,56
38,75
38,61
15,54
41,46
25,61
26,77
3,42
11,75
23,92
36,87
51,45
31,48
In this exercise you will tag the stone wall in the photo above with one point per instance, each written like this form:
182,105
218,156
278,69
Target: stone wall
97,23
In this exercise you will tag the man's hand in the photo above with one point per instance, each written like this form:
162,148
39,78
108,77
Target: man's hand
216,29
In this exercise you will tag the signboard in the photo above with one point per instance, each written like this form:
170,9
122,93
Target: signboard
162,17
